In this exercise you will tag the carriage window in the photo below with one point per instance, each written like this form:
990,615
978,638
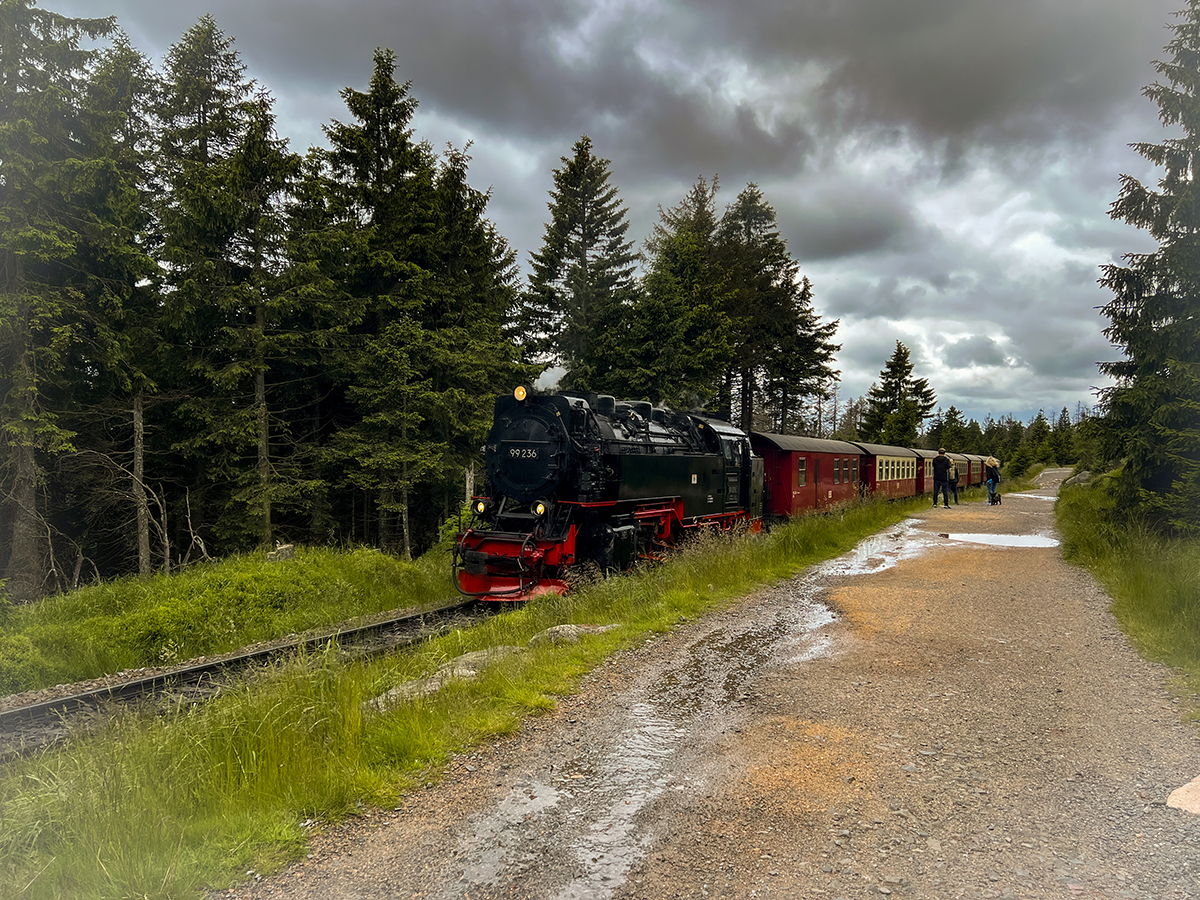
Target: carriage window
802,472
837,471
854,469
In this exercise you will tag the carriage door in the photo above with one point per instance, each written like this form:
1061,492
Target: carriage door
733,474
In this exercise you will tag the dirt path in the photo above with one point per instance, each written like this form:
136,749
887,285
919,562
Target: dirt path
932,717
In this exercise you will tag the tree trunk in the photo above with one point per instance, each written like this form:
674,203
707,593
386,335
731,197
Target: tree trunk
404,511
139,488
264,432
24,574
470,485
747,411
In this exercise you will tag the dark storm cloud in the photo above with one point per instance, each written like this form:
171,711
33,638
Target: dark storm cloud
889,298
836,217
962,68
662,80
974,351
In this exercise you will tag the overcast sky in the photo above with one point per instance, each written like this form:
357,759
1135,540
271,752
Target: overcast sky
942,169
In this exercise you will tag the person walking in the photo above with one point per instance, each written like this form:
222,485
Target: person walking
952,478
991,474
941,477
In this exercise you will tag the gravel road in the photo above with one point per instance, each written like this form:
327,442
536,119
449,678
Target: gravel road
948,712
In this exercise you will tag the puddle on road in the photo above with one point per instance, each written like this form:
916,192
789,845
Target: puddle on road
907,541
881,551
1034,496
494,847
1007,540
627,780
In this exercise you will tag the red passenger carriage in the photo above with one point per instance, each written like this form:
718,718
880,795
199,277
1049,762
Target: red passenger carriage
803,473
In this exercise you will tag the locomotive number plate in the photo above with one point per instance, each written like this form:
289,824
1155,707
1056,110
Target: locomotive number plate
516,451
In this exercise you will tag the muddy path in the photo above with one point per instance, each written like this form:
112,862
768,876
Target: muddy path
948,712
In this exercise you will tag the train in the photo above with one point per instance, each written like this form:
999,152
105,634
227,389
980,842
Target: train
580,485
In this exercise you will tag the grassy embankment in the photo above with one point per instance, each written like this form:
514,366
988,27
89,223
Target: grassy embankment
1154,581
165,806
206,610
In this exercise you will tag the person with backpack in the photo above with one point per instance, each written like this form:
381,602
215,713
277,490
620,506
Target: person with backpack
941,477
952,478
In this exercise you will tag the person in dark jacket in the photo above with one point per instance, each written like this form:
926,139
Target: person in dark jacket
991,474
941,477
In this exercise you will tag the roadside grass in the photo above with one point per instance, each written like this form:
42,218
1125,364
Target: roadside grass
170,803
1154,581
205,610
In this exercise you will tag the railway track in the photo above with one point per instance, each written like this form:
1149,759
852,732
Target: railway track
37,725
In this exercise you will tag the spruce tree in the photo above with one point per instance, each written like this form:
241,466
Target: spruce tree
676,346
949,430
381,194
225,176
48,181
1152,412
582,281
102,490
782,350
897,404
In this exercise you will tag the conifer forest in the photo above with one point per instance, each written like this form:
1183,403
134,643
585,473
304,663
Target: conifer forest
210,343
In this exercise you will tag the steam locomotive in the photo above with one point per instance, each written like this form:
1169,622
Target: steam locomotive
582,484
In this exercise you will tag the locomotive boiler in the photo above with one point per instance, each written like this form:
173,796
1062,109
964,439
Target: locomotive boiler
582,484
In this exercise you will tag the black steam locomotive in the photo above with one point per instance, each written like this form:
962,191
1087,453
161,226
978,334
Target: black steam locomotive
581,483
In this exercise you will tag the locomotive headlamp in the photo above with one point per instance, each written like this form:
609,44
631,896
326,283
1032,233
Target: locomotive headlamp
481,506
540,508
520,393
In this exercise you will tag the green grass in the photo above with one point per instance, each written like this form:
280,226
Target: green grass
205,610
168,805
1154,580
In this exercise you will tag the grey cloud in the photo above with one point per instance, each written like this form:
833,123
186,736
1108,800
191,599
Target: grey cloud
954,68
833,217
887,299
975,351
649,76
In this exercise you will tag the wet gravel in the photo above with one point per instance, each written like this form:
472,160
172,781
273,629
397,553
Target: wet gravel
936,716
